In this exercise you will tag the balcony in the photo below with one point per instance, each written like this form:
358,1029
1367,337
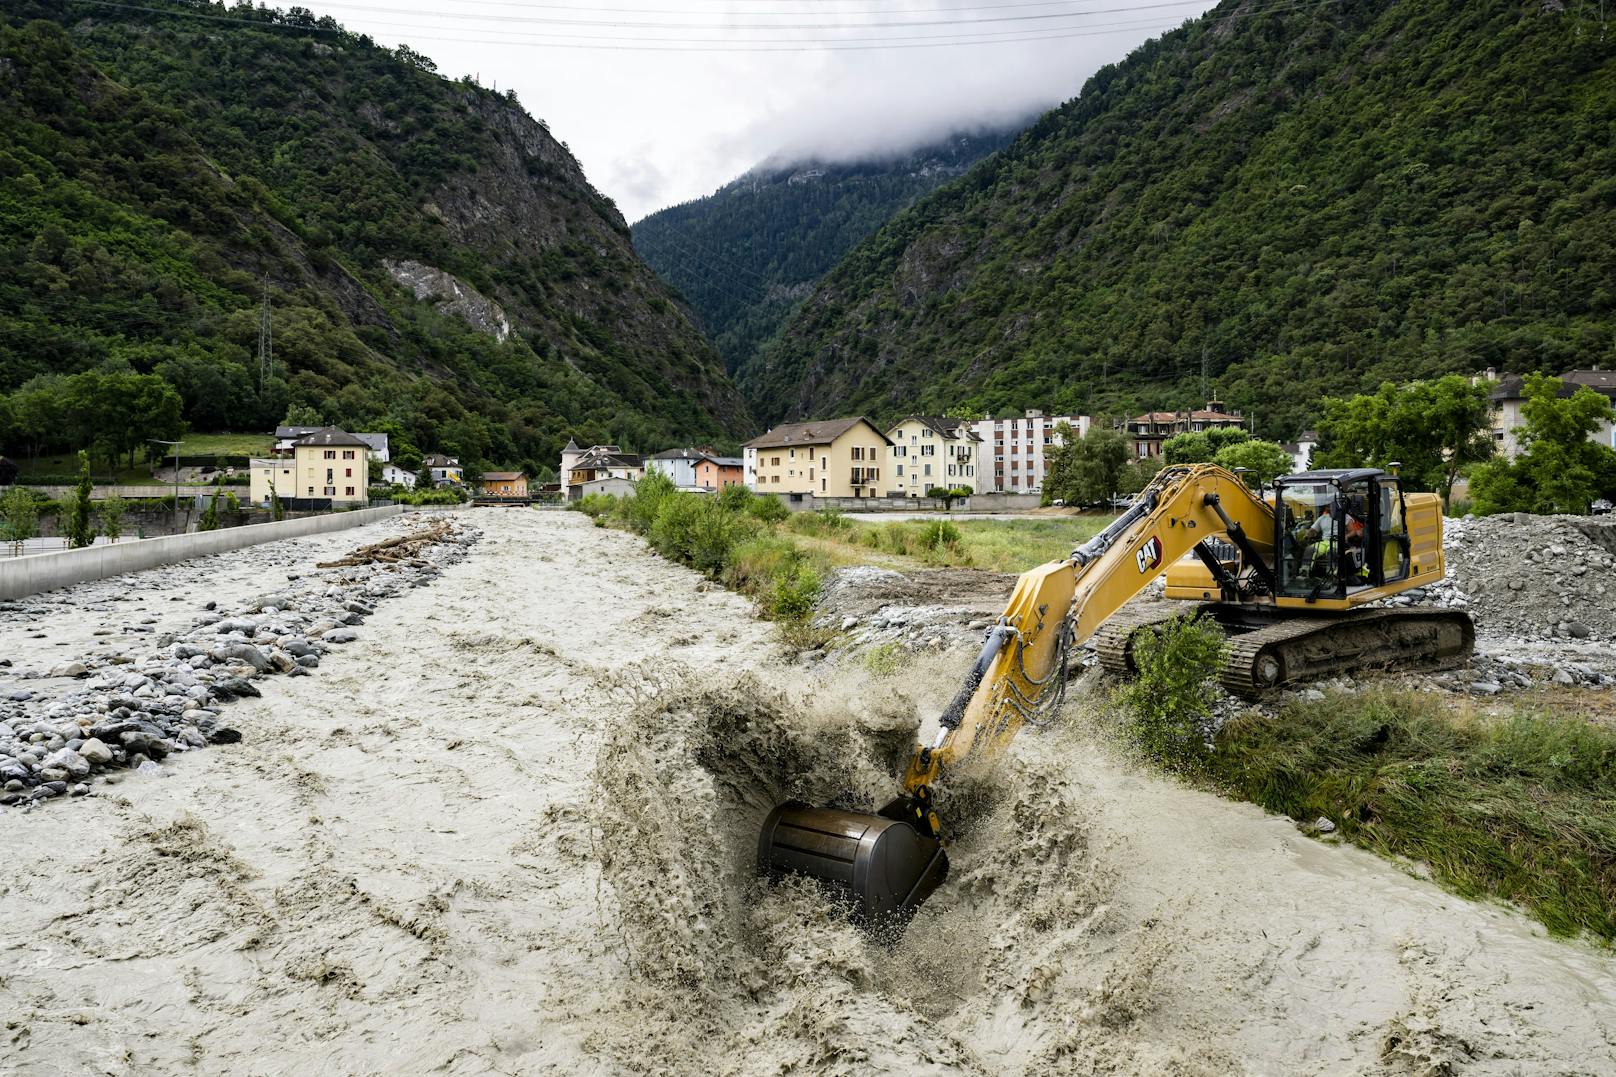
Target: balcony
866,476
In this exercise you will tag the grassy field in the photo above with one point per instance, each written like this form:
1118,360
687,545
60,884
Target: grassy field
1518,806
997,545
227,445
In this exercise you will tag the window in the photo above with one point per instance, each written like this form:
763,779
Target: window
926,433
900,471
951,471
821,485
330,475
311,491
347,472
775,462
858,452
331,454
350,491
330,491
901,450
347,454
792,453
774,479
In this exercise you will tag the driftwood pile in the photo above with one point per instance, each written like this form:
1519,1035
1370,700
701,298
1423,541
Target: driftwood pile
404,548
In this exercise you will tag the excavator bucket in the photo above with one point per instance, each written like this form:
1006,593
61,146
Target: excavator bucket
881,868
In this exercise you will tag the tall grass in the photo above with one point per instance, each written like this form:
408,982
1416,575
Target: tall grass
1521,807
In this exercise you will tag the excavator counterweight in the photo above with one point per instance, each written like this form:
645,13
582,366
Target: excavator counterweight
1286,575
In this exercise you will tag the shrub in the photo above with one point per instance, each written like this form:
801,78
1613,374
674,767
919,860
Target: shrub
768,508
428,497
640,509
594,505
19,512
697,530
1169,705
112,510
795,594
736,498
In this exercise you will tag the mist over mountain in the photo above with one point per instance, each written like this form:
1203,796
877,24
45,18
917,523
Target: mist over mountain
745,255
1272,202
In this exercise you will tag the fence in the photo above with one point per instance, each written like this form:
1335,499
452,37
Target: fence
21,576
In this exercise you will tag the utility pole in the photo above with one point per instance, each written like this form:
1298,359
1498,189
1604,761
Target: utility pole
266,343
159,441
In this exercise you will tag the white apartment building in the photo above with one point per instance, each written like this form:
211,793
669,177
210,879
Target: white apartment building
1011,459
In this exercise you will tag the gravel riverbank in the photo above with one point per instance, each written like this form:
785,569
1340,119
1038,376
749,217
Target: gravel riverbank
509,829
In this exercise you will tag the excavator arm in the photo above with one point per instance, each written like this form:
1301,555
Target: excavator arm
1020,673
889,862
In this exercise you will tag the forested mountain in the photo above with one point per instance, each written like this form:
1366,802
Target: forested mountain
1275,200
745,255
431,254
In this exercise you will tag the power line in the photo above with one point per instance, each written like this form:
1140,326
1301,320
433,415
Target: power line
674,45
619,24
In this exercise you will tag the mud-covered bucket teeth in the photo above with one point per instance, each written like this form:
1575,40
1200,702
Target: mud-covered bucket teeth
881,867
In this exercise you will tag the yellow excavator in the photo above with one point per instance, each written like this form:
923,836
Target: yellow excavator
1293,575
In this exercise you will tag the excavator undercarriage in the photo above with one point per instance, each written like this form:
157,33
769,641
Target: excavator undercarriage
1269,650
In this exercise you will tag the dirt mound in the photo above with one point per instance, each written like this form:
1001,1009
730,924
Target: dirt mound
1011,970
1536,576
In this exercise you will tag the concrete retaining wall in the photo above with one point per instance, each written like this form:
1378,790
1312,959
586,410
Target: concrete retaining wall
101,491
21,576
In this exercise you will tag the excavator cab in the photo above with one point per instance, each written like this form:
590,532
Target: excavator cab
1339,532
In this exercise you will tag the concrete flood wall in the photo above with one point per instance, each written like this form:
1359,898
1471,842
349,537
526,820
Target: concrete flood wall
21,576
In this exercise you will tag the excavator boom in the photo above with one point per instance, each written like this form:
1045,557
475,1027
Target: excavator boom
1020,676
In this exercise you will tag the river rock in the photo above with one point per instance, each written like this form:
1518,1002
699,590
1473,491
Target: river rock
96,752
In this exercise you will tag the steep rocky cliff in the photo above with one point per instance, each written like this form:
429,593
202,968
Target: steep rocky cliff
432,254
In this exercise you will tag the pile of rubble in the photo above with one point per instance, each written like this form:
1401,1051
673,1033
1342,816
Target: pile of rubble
130,712
1538,577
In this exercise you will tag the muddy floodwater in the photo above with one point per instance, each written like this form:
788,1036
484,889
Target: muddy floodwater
510,830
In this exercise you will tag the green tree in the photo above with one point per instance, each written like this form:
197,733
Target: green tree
1137,475
1266,460
20,512
1082,471
210,515
1169,705
79,525
1436,429
1559,469
112,510
277,511
1202,446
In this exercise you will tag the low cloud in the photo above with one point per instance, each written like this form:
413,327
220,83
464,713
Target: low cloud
653,128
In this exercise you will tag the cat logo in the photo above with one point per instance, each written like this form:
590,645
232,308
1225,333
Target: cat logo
1149,555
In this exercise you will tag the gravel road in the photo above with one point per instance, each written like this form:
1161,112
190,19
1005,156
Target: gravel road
508,830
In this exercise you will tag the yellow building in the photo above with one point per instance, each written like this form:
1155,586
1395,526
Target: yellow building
929,450
328,468
834,458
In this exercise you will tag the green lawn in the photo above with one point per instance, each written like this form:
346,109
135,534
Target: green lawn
227,445
998,545
64,468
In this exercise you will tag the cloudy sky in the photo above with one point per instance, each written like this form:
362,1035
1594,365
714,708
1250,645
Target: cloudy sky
665,100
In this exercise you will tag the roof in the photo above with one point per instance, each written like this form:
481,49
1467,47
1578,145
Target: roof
437,459
1334,474
599,457
819,432
377,442
1513,386
503,476
945,426
329,436
1155,417
571,446
726,461
680,454
284,432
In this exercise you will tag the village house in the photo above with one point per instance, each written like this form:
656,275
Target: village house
602,462
830,458
394,475
288,436
697,469
1510,395
930,451
717,472
446,470
1147,432
1011,451
325,468
504,484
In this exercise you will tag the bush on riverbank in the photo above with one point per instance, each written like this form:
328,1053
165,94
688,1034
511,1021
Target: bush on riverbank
731,536
1517,807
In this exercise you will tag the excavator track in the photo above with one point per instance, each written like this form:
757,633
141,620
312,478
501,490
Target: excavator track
1265,656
